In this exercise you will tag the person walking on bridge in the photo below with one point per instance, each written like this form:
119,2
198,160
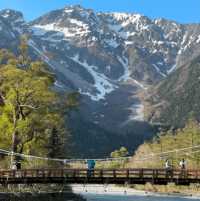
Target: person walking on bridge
168,168
167,165
182,165
90,167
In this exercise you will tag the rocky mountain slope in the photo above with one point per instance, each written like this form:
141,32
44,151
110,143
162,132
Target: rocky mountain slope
109,58
176,99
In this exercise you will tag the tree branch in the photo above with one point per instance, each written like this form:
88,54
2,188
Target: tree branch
30,107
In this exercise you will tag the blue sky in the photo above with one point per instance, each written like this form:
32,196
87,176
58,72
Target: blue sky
185,11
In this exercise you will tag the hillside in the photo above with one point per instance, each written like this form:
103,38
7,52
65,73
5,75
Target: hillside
177,98
172,145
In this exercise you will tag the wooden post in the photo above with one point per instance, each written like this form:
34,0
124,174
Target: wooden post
141,173
13,173
43,173
101,173
37,173
62,173
196,174
114,173
127,174
74,173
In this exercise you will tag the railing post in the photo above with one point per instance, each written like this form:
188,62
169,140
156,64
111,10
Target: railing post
153,175
114,173
62,173
48,173
37,173
172,174
13,173
101,173
43,173
186,175
74,173
25,173
141,173
127,174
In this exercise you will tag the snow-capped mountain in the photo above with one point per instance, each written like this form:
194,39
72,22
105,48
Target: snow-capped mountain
108,57
112,47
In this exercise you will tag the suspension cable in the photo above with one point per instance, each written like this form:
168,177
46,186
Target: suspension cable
145,157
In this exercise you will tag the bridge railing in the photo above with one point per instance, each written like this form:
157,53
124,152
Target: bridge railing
101,173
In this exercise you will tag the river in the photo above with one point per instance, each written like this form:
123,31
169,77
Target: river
95,193
103,197
112,193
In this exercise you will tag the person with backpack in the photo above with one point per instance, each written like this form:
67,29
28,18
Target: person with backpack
90,167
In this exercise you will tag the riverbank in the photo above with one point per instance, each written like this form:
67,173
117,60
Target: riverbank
170,189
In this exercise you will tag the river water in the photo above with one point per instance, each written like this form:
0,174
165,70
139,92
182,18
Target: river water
95,193
93,197
113,193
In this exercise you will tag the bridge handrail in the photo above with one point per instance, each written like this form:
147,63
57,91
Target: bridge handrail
137,172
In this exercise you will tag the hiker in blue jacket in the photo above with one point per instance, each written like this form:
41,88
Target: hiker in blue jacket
90,166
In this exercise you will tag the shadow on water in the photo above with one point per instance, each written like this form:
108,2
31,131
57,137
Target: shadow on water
40,197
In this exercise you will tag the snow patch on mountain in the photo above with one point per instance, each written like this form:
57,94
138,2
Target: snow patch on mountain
7,13
127,75
14,17
138,109
126,18
112,43
67,10
124,62
139,84
136,113
59,84
172,69
158,70
198,39
80,30
78,23
103,85
32,44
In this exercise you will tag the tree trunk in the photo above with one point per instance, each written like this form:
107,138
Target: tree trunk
14,140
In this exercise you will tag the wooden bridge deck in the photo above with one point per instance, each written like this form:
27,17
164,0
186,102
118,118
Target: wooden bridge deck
99,176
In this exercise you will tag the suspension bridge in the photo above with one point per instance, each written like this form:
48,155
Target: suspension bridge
99,176
72,175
